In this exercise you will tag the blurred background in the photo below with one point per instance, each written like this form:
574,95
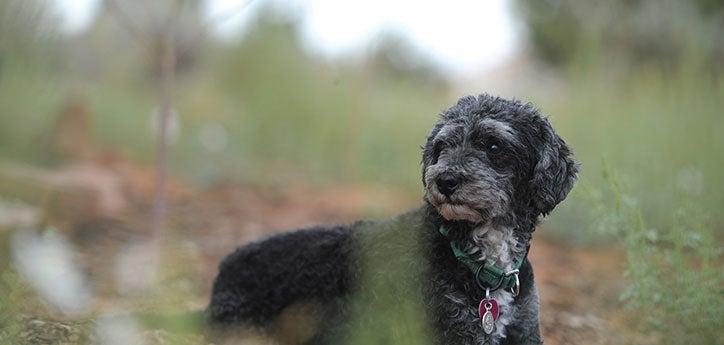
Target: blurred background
142,141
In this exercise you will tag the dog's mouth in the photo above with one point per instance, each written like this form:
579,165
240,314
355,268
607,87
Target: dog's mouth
451,212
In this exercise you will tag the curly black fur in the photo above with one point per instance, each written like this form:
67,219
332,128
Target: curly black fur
509,169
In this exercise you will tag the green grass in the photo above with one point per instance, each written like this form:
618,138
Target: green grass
673,273
28,102
660,132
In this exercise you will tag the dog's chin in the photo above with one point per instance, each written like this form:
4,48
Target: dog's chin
458,212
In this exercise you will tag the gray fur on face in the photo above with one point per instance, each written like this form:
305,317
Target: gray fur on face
501,150
484,192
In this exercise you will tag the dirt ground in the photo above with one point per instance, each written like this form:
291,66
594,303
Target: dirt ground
579,287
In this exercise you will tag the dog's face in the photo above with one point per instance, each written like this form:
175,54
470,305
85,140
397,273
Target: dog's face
488,157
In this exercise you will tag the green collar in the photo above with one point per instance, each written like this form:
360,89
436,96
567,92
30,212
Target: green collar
488,276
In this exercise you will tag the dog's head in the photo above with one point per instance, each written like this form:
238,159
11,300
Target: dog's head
488,157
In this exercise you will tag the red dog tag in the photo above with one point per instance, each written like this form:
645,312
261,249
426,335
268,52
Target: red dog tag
488,311
493,308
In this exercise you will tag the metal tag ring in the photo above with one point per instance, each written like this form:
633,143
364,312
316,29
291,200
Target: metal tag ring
515,290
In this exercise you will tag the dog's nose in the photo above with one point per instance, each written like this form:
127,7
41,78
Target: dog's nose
446,183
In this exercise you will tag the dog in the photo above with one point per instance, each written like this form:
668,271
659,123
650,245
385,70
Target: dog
453,271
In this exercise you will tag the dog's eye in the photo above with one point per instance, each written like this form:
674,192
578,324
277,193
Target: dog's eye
438,147
491,145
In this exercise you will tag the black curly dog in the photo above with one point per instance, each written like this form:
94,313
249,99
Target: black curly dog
491,169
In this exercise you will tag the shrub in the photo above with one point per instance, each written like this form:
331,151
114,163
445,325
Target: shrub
674,274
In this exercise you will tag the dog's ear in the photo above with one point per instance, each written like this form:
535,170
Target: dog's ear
555,172
429,156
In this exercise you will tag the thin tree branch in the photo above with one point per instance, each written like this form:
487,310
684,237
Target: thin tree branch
167,69
167,60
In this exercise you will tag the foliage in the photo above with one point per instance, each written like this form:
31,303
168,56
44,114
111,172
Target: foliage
388,307
674,273
28,51
660,130
625,33
11,291
26,33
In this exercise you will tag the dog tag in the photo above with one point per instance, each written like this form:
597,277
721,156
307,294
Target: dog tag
493,308
488,311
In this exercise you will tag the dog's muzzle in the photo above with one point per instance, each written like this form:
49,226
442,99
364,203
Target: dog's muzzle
441,193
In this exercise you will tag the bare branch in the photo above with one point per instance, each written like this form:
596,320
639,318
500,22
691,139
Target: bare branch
167,64
167,60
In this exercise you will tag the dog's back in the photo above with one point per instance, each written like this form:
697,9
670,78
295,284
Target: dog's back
305,286
257,281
